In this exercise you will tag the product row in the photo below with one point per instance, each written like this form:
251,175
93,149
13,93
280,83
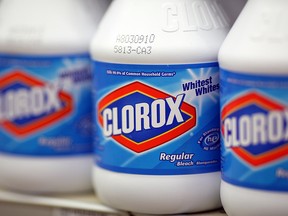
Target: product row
160,106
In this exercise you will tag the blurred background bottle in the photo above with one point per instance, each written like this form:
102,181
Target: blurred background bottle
45,94
254,86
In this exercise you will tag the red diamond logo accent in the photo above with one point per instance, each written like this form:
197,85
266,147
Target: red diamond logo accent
20,77
151,93
254,98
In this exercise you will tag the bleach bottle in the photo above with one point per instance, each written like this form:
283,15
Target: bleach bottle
156,87
254,117
45,96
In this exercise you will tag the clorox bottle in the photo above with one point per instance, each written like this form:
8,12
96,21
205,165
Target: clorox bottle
156,86
45,96
254,117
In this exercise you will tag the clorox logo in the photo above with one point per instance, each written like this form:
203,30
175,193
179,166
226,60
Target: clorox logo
256,128
140,117
28,104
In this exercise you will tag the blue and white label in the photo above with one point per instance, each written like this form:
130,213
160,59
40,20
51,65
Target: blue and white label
254,126
157,119
45,105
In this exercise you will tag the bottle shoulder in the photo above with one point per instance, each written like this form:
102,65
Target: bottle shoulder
165,48
47,28
160,32
258,41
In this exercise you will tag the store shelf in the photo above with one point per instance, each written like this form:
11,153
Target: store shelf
60,205
17,204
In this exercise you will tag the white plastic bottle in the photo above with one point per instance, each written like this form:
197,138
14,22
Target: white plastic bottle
156,83
254,95
45,96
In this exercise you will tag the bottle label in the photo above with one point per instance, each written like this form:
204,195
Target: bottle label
157,119
45,105
254,124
